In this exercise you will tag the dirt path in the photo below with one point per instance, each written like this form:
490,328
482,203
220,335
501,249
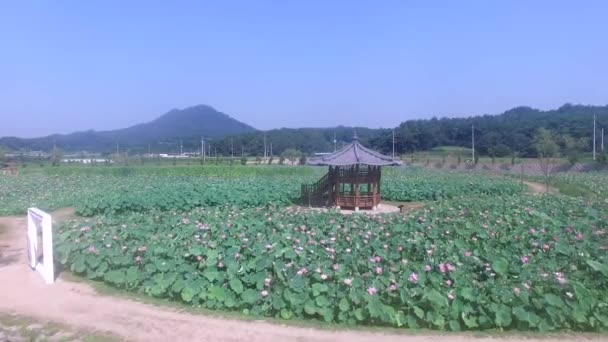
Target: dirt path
539,188
77,305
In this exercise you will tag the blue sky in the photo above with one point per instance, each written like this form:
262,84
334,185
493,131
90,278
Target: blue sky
75,65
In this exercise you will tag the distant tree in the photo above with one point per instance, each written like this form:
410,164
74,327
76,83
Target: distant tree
573,148
258,160
602,158
243,160
2,155
56,157
281,160
291,154
547,151
270,160
302,159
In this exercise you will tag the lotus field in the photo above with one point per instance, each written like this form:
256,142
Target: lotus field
482,254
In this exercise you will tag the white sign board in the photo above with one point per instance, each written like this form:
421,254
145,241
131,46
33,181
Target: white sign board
40,243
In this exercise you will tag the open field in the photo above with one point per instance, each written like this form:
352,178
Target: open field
481,254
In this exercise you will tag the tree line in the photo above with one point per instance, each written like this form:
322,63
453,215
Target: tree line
508,134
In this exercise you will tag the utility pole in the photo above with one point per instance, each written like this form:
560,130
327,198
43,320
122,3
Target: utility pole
232,147
602,139
242,151
270,150
393,144
473,142
264,145
203,149
181,147
593,136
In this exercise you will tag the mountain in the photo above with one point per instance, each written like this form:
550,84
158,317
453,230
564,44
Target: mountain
189,123
504,134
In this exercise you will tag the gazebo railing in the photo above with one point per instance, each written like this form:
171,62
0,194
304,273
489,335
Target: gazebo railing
313,193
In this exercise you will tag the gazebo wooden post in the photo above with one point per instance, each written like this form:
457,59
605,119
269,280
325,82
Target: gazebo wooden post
357,187
372,190
379,181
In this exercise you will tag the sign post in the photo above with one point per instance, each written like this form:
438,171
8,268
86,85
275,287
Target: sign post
40,243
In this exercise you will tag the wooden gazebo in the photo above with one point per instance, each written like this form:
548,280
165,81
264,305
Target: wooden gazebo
353,179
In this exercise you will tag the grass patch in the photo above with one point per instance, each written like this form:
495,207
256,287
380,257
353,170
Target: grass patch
30,329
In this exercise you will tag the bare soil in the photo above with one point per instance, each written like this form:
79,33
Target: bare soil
78,305
539,188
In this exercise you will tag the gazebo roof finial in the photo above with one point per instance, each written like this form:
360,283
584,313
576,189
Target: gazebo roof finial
355,137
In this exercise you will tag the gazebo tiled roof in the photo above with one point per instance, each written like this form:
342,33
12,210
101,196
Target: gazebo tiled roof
354,154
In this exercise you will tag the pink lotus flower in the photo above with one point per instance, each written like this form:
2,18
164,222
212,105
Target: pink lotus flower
372,290
220,264
378,270
393,287
546,247
336,267
85,229
428,268
527,286
442,268
302,271
264,293
142,249
579,236
138,259
348,281
348,250
324,276
451,296
532,230
467,253
450,267
524,259
413,277
517,291
92,250
448,282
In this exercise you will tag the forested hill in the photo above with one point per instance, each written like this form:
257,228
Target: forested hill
500,135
